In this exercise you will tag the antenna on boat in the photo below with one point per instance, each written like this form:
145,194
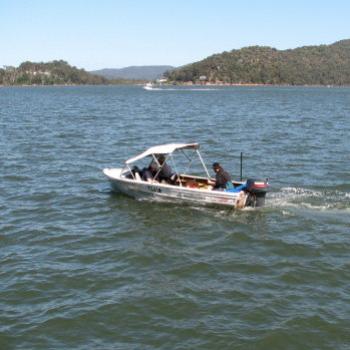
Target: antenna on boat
241,167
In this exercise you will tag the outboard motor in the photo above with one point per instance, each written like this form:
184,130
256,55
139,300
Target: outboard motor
257,191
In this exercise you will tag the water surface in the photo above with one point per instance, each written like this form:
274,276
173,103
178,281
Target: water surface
82,267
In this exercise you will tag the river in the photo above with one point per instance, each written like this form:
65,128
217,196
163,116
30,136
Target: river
85,268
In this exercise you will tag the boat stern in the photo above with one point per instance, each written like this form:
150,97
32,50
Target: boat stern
256,192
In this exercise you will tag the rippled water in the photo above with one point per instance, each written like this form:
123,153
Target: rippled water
82,267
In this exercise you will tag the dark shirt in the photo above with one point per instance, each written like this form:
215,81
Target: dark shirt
222,177
164,174
146,174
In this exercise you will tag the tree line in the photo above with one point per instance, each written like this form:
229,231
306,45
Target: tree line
51,73
308,65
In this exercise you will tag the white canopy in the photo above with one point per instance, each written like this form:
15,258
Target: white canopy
163,149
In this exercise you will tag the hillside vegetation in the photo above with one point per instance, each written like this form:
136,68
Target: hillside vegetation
308,65
51,73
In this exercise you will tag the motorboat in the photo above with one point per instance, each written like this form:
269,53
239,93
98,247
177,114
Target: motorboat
148,86
156,85
182,187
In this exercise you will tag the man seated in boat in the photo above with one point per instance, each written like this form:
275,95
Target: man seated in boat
165,174
223,179
149,172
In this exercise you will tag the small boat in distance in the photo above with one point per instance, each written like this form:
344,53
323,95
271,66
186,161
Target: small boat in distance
148,86
184,187
157,85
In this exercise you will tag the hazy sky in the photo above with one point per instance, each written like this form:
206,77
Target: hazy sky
95,34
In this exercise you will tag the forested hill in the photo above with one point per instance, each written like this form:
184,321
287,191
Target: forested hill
51,73
308,65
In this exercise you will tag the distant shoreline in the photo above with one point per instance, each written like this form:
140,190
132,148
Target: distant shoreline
260,85
178,85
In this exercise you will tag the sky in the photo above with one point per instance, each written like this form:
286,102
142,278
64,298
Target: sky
96,34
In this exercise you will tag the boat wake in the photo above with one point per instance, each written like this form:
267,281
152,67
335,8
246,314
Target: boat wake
303,198
200,89
181,89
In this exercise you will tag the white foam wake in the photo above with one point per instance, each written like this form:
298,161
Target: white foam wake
298,197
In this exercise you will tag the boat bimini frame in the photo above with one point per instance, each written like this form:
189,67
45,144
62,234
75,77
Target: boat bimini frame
167,151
